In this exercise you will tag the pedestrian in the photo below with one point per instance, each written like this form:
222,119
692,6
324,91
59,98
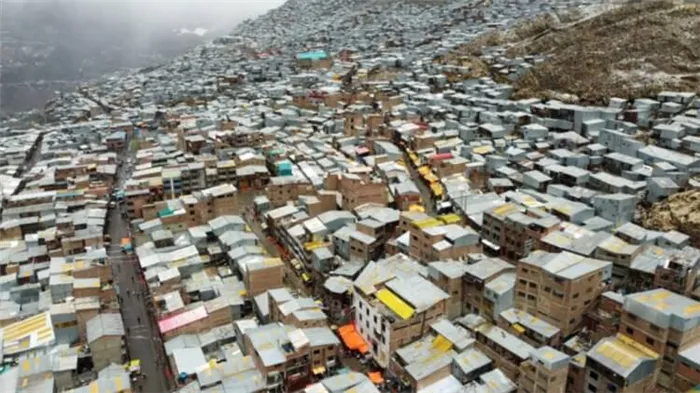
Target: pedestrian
132,279
138,319
128,292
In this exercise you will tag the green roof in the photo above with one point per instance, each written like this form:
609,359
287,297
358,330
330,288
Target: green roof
313,55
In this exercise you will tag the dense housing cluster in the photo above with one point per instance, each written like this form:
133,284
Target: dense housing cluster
310,207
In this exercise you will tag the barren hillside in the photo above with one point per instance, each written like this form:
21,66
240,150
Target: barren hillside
630,50
679,212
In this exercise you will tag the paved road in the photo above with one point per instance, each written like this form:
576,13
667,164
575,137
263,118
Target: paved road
143,338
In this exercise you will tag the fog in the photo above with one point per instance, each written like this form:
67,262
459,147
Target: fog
59,42
141,17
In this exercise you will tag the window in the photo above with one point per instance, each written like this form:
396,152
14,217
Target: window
317,351
547,289
523,282
575,295
592,388
650,341
533,285
593,375
521,294
654,327
629,330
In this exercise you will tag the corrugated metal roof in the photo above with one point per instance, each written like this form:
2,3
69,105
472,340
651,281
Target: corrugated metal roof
28,334
104,325
183,319
395,304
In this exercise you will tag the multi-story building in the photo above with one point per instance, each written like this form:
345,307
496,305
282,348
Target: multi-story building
621,365
545,372
394,308
356,192
506,350
432,240
514,233
665,323
560,288
195,209
283,189
604,319
535,331
687,372
487,287
287,356
448,277
679,272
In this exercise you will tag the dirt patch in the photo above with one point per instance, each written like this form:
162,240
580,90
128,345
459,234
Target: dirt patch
631,50
680,212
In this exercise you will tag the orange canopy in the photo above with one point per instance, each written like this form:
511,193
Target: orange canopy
376,377
352,339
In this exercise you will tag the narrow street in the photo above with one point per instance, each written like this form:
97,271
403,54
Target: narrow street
292,279
425,193
143,337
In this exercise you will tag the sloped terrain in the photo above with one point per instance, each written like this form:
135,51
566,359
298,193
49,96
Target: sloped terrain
630,50
680,212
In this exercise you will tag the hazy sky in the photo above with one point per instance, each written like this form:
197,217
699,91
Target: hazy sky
153,14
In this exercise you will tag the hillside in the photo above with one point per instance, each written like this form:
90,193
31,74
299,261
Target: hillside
680,212
630,50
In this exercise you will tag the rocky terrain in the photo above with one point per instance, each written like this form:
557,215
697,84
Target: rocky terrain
680,212
618,50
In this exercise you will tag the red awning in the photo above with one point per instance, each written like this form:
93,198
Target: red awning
441,156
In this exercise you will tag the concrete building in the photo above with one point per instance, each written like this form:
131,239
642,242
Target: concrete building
393,311
105,335
666,324
488,287
514,232
546,371
560,288
620,364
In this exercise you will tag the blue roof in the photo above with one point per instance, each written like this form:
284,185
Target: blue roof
284,165
313,55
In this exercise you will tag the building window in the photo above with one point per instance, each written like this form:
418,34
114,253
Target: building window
592,388
575,295
650,341
593,375
629,330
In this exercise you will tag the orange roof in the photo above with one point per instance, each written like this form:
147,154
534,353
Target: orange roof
352,339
